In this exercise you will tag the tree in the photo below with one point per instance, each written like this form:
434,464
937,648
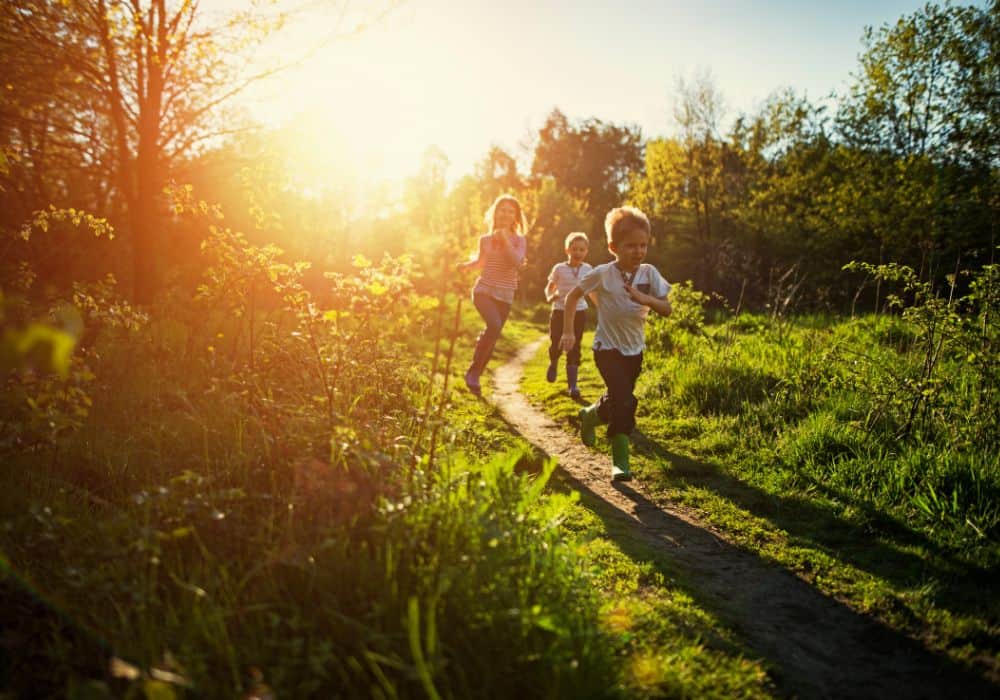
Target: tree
920,128
498,173
556,214
425,198
692,183
135,86
593,161
786,216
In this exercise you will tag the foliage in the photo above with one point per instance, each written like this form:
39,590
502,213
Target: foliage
913,394
592,160
46,342
687,316
256,484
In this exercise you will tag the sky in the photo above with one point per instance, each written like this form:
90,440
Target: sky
470,74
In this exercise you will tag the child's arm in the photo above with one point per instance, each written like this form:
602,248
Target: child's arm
551,292
568,339
660,306
552,289
475,262
514,249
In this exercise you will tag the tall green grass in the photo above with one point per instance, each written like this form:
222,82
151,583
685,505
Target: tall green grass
832,403
287,501
858,452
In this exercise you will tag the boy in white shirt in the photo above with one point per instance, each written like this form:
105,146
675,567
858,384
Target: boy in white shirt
624,290
562,279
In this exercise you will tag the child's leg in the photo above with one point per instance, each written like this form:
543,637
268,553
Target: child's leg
618,404
573,356
555,334
620,468
589,418
494,313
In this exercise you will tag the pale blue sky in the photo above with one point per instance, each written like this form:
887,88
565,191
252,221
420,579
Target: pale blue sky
465,75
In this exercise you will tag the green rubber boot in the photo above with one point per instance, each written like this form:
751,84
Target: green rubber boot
619,458
589,420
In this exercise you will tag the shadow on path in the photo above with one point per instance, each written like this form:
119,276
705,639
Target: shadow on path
962,585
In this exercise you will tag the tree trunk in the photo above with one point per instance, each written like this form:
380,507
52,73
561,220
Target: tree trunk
144,221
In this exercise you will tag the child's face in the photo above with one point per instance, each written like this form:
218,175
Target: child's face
577,251
504,215
631,249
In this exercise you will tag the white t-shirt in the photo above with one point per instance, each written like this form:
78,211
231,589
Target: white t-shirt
621,321
566,278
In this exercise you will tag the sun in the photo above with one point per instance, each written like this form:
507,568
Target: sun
363,109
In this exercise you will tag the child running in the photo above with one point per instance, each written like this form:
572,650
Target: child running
624,290
563,278
500,254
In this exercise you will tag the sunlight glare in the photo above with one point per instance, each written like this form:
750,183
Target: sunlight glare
369,107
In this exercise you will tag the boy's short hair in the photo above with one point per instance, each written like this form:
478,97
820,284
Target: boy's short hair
576,236
622,219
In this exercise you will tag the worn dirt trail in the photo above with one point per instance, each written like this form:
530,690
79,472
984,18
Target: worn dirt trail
817,646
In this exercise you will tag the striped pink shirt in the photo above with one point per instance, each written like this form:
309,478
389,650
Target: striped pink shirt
500,266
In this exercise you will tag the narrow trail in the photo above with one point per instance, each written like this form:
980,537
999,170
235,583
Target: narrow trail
817,646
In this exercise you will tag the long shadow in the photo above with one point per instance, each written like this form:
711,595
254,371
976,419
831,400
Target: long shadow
962,587
816,646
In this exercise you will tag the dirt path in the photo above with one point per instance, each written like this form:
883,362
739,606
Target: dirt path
817,646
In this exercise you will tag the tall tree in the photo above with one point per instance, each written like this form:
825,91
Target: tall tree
138,85
498,173
692,183
920,126
592,160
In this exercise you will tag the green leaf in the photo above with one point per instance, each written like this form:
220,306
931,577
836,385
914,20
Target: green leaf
42,346
158,690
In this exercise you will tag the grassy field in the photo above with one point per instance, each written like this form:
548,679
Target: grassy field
827,446
232,518
246,493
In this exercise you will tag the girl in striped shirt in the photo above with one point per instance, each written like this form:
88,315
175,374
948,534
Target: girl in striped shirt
500,255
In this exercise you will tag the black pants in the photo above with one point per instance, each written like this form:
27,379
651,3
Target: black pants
555,334
618,404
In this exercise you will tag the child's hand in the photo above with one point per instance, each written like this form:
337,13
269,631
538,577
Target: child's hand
637,296
567,342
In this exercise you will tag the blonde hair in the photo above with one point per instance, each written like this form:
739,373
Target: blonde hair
576,236
622,219
520,223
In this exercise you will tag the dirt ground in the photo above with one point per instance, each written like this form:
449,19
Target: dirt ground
816,646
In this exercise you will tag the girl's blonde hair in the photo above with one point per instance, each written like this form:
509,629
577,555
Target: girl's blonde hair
576,236
520,222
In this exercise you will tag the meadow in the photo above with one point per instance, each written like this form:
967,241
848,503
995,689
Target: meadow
278,499
858,453
238,459
271,498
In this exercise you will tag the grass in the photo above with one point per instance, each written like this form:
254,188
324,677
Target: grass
762,436
218,530
204,535
664,643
